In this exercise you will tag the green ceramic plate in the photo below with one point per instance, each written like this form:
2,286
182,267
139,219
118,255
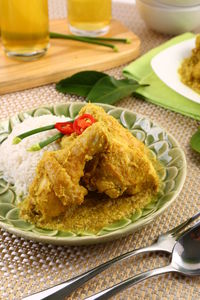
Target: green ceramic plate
162,145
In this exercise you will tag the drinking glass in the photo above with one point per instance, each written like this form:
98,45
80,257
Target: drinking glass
89,17
24,28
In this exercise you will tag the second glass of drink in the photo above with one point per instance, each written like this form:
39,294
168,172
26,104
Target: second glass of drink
89,17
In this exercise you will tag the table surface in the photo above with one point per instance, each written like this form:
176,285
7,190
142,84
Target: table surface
27,267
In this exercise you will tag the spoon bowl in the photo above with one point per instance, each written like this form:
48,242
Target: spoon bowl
186,253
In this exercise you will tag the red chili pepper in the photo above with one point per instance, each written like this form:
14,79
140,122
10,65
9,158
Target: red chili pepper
83,122
65,128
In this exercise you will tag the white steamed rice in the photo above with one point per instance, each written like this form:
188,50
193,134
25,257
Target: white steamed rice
18,164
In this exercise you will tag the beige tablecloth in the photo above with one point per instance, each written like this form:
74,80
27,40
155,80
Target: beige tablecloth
26,266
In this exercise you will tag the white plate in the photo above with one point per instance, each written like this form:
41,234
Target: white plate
166,65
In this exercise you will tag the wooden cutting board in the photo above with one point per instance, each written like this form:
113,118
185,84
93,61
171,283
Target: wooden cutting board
65,58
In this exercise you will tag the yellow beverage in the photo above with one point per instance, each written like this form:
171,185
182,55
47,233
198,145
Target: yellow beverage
90,17
24,27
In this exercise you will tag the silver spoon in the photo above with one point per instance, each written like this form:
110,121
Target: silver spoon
185,260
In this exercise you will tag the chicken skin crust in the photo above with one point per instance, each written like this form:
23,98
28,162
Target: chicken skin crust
105,158
124,168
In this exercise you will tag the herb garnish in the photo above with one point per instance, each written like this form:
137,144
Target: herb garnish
80,83
97,87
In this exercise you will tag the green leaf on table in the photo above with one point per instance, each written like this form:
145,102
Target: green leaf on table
80,83
195,141
110,90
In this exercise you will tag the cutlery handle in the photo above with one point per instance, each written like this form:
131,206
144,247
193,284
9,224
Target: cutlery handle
62,290
107,293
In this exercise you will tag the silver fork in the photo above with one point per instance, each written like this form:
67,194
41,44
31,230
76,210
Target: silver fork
164,243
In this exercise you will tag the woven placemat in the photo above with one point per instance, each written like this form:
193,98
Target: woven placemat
27,267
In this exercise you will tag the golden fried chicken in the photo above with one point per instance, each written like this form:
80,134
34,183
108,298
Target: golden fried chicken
124,166
105,158
57,181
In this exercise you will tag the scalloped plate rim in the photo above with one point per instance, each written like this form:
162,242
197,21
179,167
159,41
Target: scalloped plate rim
130,228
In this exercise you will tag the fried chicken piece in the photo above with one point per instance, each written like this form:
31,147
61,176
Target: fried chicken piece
105,158
124,167
57,181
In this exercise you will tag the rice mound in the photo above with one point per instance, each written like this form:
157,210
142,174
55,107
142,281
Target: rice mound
18,164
